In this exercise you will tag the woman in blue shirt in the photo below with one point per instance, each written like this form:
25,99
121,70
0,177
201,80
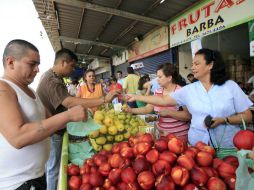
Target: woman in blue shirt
213,94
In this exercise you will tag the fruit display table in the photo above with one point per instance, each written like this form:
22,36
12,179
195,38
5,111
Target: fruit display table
143,162
62,179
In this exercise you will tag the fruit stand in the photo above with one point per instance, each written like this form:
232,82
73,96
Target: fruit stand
105,136
140,161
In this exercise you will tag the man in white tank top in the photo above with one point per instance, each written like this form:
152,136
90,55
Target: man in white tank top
24,129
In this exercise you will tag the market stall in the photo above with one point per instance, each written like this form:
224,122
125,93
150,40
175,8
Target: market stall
143,160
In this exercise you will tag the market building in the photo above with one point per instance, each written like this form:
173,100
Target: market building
130,133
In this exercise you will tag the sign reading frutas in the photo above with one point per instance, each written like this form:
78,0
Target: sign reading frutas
209,17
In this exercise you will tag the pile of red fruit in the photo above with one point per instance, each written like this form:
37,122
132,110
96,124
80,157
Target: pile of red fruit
163,164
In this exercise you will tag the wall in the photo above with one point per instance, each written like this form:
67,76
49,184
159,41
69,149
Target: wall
185,60
154,42
234,46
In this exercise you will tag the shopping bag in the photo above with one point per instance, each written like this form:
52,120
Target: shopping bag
244,180
223,152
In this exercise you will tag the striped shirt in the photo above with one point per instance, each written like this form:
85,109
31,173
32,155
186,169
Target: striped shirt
168,124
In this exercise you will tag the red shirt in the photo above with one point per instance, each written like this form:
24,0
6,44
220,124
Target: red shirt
116,86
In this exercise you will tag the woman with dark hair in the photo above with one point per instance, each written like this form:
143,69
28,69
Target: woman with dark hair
90,89
171,119
144,88
213,94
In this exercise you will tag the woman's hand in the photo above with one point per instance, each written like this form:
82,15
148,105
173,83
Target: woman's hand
163,113
217,121
131,97
111,95
126,109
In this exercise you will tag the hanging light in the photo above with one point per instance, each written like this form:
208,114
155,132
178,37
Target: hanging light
83,61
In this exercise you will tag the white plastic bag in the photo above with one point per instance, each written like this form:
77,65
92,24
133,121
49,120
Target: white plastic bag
244,180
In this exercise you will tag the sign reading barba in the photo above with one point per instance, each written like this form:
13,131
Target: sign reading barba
208,17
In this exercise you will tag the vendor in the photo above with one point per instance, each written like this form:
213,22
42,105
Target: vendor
213,94
90,89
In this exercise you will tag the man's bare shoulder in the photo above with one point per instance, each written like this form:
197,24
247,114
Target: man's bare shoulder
5,89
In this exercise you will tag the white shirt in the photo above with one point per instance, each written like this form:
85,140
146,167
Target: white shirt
220,101
155,85
20,165
120,81
72,89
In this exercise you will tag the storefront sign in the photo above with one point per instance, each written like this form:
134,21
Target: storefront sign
154,43
251,35
138,65
120,58
209,17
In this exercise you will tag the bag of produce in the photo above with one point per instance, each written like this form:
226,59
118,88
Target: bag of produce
79,145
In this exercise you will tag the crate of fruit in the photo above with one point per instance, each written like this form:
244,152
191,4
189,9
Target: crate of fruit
116,126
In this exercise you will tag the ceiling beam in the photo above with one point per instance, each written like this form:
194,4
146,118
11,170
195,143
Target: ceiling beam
88,42
91,56
79,27
133,23
104,26
112,11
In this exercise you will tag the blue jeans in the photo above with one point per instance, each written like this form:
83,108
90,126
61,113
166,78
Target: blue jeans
53,164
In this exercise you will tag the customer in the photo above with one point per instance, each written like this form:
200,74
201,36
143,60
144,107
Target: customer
120,78
130,85
213,95
73,87
171,119
55,97
114,85
90,89
24,129
144,88
107,85
191,78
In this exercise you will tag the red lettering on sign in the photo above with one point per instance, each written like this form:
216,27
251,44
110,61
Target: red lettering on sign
211,7
191,20
173,29
223,4
239,2
182,23
207,9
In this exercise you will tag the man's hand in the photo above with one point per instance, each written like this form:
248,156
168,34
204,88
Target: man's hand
77,113
111,95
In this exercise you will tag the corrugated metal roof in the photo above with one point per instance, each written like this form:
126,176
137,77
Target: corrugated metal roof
74,21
